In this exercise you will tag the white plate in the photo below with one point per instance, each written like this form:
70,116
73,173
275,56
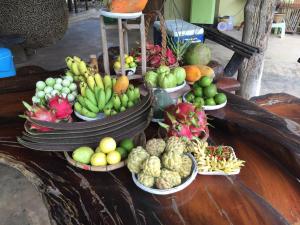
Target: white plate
99,116
207,107
180,187
105,12
128,71
170,90
220,173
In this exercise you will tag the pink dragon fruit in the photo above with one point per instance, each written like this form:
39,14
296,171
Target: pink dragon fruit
61,107
184,119
39,113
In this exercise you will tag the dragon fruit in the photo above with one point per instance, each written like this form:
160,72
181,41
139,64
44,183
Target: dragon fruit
39,113
61,107
184,119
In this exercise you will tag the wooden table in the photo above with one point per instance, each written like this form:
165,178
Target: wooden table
265,192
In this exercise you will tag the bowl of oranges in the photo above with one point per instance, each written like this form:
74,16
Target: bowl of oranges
130,65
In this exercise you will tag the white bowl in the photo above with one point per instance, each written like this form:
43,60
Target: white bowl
128,71
170,90
180,187
207,107
99,116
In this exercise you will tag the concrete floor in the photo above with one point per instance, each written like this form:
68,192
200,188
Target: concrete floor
20,203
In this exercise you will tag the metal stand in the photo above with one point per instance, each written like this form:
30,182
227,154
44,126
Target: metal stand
123,27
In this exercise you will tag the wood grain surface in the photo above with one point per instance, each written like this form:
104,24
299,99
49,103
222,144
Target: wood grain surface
265,192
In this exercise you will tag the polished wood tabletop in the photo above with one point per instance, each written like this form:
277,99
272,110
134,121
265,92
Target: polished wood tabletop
265,133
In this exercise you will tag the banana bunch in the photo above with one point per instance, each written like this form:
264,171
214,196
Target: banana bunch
97,96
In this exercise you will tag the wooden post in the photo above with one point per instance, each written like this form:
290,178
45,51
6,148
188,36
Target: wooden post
126,37
104,46
258,23
121,43
143,44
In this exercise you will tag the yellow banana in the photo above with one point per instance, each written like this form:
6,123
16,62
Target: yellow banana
77,59
99,81
69,62
86,74
91,82
107,81
74,69
83,86
82,67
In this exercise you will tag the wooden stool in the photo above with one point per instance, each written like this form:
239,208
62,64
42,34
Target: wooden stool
123,27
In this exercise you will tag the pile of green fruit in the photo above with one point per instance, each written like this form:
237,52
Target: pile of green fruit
106,153
166,78
129,62
106,97
62,86
205,93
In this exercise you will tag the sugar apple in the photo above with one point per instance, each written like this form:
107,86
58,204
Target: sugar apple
172,160
151,166
175,144
186,166
146,180
168,179
135,159
155,146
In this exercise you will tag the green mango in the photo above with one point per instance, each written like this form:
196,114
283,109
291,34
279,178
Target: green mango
83,154
172,80
151,78
180,75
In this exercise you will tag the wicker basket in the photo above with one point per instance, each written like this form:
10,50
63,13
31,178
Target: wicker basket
139,140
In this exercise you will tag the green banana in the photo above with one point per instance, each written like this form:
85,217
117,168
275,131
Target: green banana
91,106
86,74
137,93
114,81
124,100
82,67
77,59
130,104
69,73
113,112
108,94
69,62
91,82
110,104
117,102
91,96
74,69
101,100
122,109
97,93
98,80
81,78
77,107
107,111
81,100
130,87
107,81
87,113
130,94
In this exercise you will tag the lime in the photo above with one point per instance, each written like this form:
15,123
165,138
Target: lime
122,151
128,60
107,145
205,81
127,144
117,65
190,97
210,101
113,157
210,91
199,102
195,85
220,98
132,65
198,91
98,159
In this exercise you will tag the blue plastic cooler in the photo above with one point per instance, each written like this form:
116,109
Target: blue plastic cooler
179,30
7,67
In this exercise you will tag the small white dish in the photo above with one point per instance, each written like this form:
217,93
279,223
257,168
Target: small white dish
99,116
170,90
105,12
180,187
207,107
128,71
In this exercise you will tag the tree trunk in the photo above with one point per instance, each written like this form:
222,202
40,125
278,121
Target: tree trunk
258,24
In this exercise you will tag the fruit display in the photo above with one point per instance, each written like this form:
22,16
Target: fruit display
51,87
215,159
205,93
107,152
165,78
160,165
130,63
154,56
107,95
197,54
185,120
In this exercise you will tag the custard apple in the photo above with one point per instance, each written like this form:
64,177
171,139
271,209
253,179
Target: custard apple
135,159
171,160
155,146
175,144
151,166
146,180
186,166
168,179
